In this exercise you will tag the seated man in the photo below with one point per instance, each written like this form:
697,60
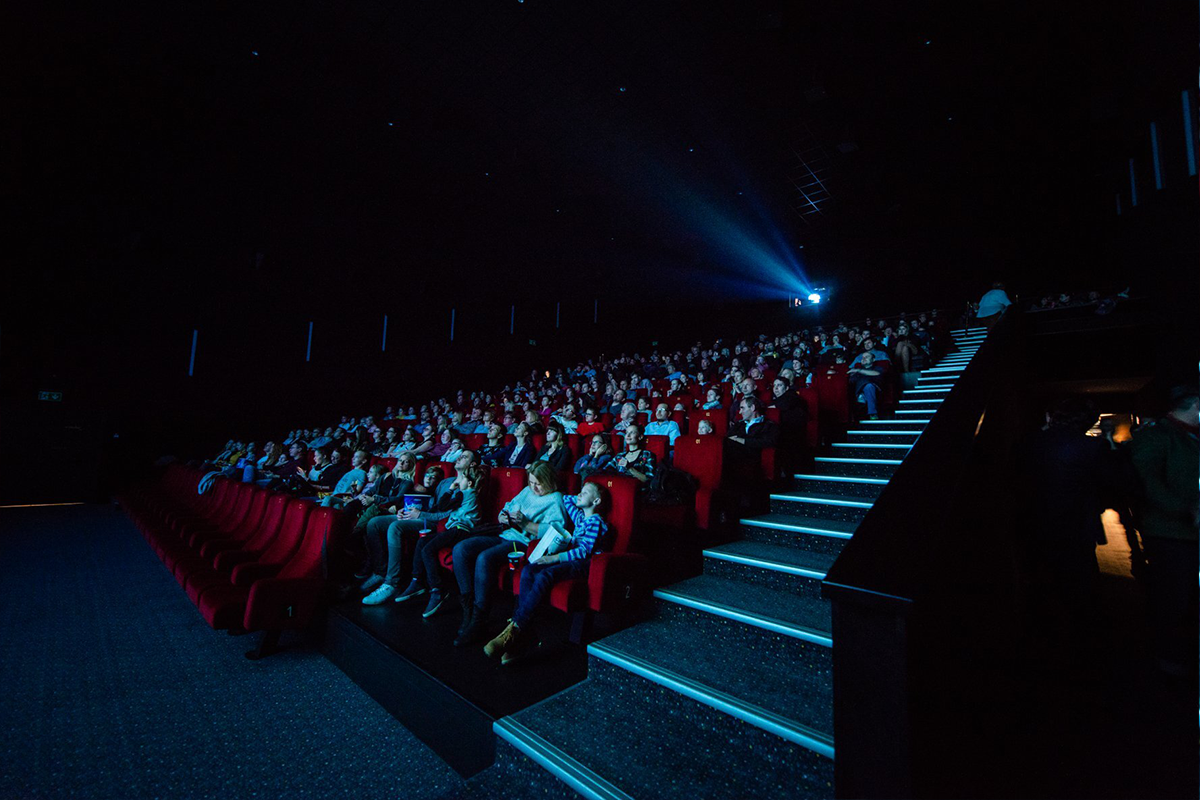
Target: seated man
663,425
628,417
350,483
747,438
566,418
865,379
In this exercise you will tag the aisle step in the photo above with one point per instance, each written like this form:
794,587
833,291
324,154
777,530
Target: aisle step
775,566
798,531
618,736
746,684
864,467
884,436
796,616
838,486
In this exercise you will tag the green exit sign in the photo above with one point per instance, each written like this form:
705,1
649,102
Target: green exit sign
53,397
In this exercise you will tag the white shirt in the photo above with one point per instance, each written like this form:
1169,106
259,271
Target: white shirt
668,428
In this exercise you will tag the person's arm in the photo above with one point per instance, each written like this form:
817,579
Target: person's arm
587,533
644,469
445,503
582,463
573,511
525,457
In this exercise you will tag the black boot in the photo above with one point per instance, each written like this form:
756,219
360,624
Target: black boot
474,632
468,612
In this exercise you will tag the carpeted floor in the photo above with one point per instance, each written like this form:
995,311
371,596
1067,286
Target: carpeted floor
114,686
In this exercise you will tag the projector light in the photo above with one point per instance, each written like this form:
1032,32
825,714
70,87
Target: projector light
814,298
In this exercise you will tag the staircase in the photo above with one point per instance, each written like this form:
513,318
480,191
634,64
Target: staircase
727,690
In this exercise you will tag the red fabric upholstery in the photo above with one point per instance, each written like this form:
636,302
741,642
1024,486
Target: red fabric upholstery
812,431
701,457
833,392
289,599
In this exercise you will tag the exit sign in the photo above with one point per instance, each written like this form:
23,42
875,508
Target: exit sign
53,397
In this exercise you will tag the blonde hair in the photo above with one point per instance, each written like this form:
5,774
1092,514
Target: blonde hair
545,475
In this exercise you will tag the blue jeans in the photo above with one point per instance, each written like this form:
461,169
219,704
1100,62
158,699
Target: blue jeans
477,565
537,580
868,389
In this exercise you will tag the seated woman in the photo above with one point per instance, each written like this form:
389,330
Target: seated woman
906,350
479,560
636,461
427,443
555,449
520,453
388,495
534,421
712,398
460,524
597,458
538,578
447,497
455,449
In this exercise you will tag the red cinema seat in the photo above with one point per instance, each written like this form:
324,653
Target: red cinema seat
389,463
474,441
658,444
701,457
197,573
833,393
681,419
538,440
716,417
222,600
290,598
228,606
812,431
576,446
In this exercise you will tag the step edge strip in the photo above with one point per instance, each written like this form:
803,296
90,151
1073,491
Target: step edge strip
889,445
787,526
799,498
804,476
774,566
836,460
756,620
562,766
747,712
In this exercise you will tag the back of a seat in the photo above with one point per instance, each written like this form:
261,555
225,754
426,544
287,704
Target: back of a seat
622,491
254,514
537,440
271,524
715,416
509,482
658,445
833,392
290,534
680,416
241,506
474,441
812,433
224,493
575,445
324,525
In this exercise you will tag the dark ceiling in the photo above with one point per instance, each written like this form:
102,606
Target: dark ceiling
164,147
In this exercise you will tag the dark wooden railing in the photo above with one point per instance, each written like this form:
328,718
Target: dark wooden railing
927,590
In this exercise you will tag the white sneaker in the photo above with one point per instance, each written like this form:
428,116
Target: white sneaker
380,595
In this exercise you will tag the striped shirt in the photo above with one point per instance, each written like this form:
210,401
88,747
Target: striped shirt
588,531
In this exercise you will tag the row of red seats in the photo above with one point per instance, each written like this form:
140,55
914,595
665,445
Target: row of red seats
249,558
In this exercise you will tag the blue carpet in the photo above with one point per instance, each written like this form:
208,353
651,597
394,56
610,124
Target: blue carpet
116,688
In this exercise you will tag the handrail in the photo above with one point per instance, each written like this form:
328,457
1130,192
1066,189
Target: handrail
900,548
926,585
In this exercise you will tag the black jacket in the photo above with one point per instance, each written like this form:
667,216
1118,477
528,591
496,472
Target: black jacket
763,434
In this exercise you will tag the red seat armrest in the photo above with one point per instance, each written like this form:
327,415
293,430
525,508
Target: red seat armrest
614,580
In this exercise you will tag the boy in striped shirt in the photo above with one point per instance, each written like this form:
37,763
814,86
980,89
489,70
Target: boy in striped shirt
539,577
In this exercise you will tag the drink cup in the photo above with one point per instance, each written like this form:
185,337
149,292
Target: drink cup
514,560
